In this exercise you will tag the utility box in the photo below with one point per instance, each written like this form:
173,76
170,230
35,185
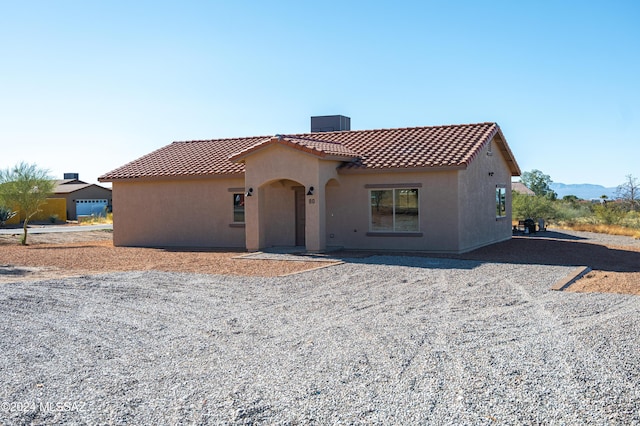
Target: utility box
330,123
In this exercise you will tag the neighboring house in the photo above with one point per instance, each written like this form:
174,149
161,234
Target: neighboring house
71,198
521,188
83,199
436,189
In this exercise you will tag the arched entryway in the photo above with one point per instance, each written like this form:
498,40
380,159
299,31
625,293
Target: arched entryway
282,213
287,206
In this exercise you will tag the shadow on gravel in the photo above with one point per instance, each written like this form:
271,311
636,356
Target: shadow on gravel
520,250
550,234
63,247
413,260
556,252
200,250
12,271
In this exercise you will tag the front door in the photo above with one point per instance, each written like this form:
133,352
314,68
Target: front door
300,216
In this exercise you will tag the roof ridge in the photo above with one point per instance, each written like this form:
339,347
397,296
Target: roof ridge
300,135
312,139
385,129
223,139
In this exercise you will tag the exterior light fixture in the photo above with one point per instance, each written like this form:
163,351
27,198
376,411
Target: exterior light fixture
310,192
249,192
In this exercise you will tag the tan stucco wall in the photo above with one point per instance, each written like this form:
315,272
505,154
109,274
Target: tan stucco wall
348,212
188,212
456,207
477,213
270,210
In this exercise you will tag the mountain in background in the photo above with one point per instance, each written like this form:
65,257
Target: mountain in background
585,191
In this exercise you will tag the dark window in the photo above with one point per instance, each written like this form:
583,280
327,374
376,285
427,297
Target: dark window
238,208
501,202
395,210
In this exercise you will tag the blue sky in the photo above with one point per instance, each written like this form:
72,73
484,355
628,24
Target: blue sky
87,86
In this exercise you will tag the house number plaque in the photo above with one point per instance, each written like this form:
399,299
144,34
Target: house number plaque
312,200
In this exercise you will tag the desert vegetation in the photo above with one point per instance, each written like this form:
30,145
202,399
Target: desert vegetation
24,187
619,216
100,219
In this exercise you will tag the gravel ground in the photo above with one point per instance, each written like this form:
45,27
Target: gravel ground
591,237
382,340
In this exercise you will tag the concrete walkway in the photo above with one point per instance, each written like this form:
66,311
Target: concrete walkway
43,229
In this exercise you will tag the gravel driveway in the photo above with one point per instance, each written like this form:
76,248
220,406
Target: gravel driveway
387,340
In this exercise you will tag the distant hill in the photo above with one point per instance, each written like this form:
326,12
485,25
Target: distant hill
585,191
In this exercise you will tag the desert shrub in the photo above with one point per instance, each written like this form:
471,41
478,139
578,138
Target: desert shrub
570,211
106,218
631,220
53,218
6,214
608,214
534,207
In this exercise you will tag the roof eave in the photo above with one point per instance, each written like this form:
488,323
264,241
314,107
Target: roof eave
234,175
508,154
368,170
342,158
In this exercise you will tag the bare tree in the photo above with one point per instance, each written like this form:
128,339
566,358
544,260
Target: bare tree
629,193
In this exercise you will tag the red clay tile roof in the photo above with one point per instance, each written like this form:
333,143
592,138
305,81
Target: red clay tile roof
193,158
310,145
451,146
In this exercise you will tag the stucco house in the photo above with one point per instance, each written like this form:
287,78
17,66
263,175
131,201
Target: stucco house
71,198
82,198
521,188
440,189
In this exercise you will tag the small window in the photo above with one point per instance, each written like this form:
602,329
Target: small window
394,210
501,202
238,208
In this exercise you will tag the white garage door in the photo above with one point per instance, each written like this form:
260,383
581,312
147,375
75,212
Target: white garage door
91,207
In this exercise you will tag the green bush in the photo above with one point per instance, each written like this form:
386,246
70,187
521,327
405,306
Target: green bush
631,220
532,206
569,210
608,214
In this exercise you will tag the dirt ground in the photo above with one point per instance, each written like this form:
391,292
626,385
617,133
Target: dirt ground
615,269
54,255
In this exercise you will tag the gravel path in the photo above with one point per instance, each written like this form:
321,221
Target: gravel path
386,340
